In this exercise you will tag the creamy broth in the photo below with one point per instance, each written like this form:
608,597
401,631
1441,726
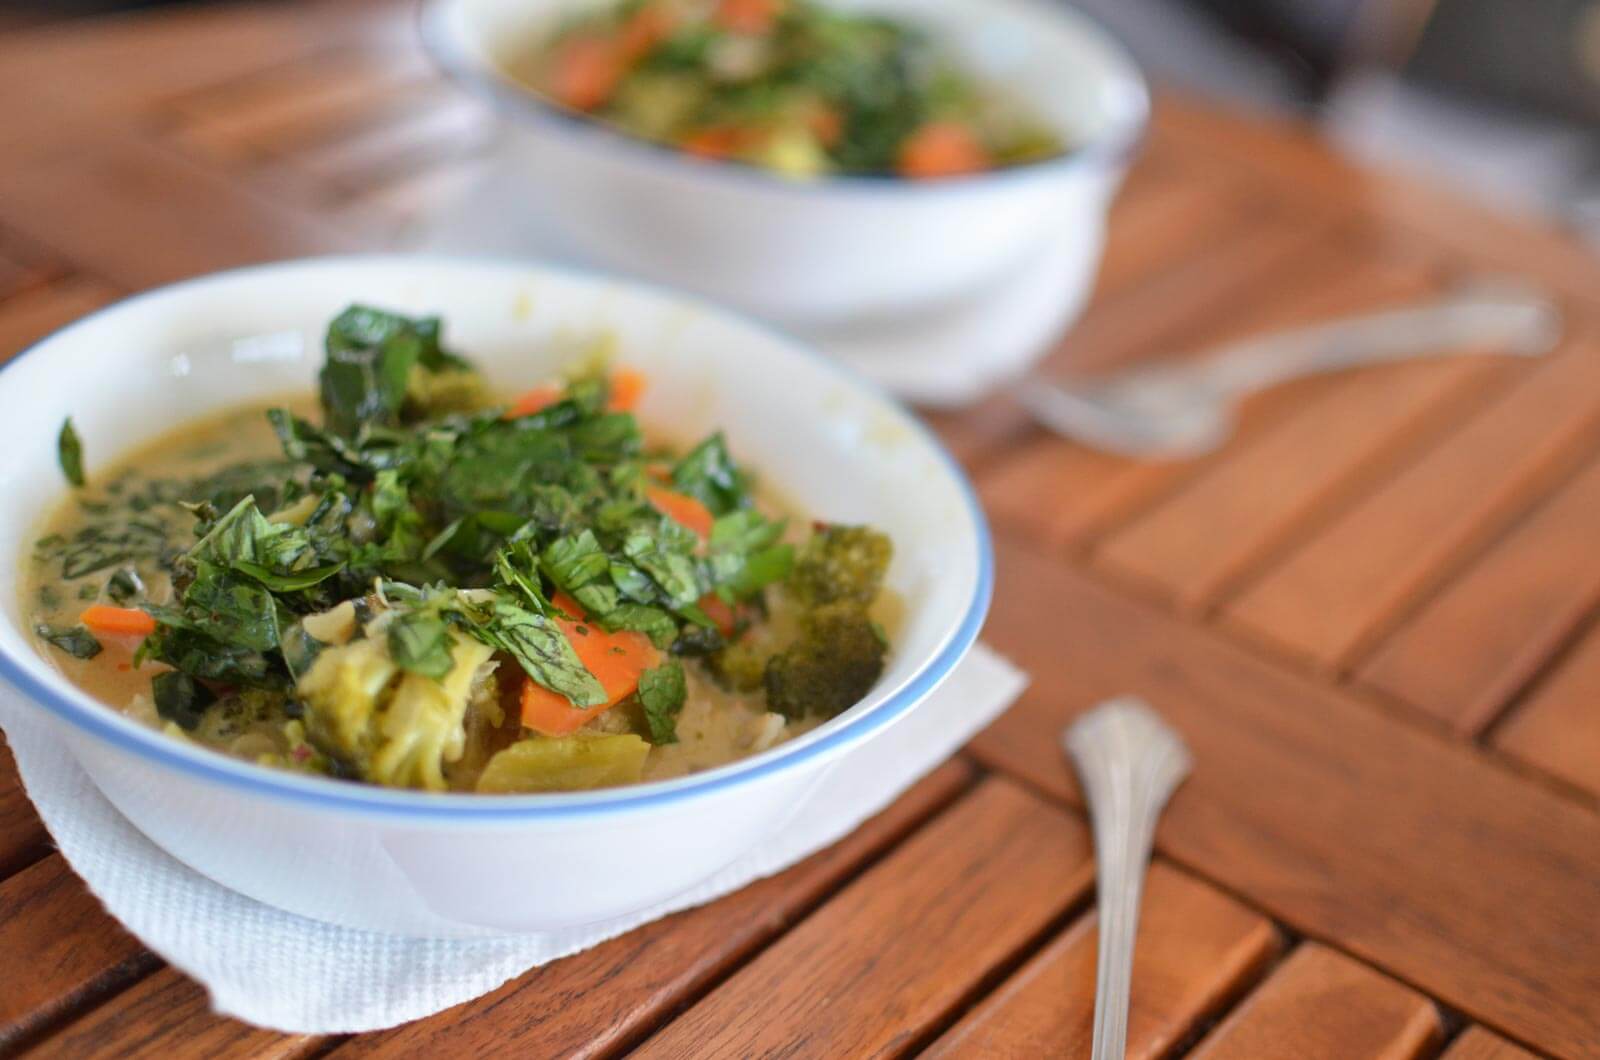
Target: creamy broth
129,519
144,487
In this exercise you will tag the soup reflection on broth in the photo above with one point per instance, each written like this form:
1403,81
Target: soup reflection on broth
409,580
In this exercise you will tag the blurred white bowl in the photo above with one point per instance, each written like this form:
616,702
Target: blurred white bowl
828,252
417,863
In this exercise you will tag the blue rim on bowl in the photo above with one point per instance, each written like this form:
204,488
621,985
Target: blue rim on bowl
105,724
1116,148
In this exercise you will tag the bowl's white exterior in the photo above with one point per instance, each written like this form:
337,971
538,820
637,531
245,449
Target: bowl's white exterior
418,864
438,879
832,251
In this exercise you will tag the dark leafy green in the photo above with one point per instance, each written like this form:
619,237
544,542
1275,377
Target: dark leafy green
662,691
539,647
419,641
125,586
69,450
457,522
76,641
708,474
181,699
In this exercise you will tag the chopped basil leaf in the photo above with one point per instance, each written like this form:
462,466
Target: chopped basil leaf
69,450
541,650
661,695
124,586
76,641
420,642
180,699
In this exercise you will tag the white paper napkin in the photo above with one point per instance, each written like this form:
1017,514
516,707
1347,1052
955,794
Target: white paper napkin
282,971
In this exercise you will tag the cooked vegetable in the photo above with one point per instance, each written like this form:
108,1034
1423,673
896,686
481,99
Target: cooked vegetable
387,725
426,589
104,618
69,450
789,85
616,659
682,509
75,641
837,659
841,564
180,699
568,763
661,695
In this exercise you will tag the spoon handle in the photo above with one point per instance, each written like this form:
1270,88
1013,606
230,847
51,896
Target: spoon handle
1129,762
1507,319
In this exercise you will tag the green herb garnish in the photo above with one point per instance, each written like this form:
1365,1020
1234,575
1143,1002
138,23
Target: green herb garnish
76,641
661,695
69,450
180,699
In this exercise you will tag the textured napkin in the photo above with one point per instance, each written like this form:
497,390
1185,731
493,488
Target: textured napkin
282,971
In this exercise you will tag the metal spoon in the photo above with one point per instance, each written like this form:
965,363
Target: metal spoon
1129,763
1185,408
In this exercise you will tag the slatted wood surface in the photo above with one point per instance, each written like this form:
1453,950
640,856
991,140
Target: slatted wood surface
1375,614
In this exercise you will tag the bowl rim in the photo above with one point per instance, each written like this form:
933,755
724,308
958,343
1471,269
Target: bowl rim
104,723
1114,149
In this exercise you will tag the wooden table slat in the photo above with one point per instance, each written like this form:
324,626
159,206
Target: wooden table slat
1342,821
434,133
23,839
1287,159
148,195
599,1001
1066,494
954,902
1478,643
28,317
163,1015
73,948
1320,1004
1333,597
346,107
129,64
1163,224
1557,728
1196,949
1428,527
1475,1043
1320,447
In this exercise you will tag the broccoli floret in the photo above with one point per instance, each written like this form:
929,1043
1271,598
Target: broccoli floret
841,564
386,725
740,666
430,394
836,660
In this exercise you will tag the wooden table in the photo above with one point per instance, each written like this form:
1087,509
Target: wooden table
1373,615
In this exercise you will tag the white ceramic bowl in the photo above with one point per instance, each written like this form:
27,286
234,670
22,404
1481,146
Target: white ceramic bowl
451,865
838,250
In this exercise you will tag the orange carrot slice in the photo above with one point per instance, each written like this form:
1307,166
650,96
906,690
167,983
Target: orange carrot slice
617,661
103,618
825,123
646,28
942,149
748,16
535,400
627,387
682,508
715,142
586,71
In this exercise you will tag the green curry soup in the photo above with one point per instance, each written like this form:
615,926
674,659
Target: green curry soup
789,85
409,582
